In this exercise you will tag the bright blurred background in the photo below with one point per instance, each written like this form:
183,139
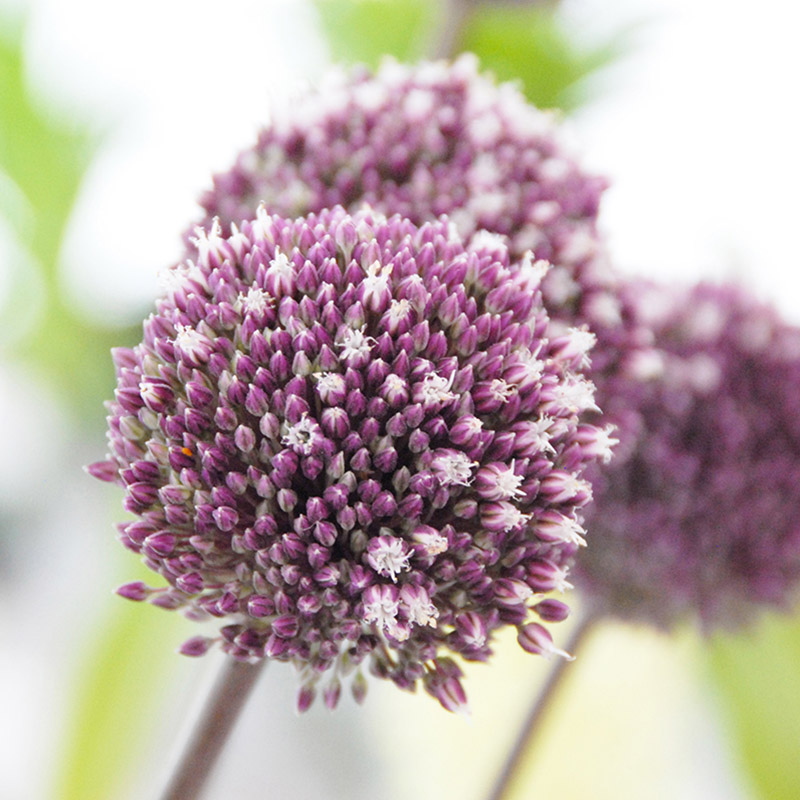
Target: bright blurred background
112,119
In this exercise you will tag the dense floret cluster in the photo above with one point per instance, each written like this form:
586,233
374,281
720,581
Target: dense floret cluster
427,140
354,440
697,513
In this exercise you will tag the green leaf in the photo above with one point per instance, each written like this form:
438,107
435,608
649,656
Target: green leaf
757,675
362,31
42,160
124,680
44,156
530,43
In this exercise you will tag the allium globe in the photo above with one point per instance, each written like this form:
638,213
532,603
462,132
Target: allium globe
697,514
430,139
352,440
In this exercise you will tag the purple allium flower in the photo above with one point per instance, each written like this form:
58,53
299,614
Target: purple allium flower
427,140
698,511
351,440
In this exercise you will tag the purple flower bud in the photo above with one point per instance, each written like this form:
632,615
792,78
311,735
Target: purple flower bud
135,591
196,646
533,638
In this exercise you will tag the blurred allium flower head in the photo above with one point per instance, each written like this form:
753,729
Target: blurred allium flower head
352,441
431,139
697,515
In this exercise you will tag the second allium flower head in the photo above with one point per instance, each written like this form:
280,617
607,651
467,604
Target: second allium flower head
353,440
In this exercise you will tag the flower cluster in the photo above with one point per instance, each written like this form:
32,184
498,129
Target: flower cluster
427,140
697,513
352,440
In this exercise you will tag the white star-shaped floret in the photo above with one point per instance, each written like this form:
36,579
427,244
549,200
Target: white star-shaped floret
256,300
179,277
329,382
561,584
354,343
302,436
435,389
531,271
238,241
209,241
388,558
191,341
418,606
582,341
454,469
573,485
486,240
398,311
606,443
501,390
377,279
509,484
575,395
568,530
531,366
382,610
541,429
280,266
509,516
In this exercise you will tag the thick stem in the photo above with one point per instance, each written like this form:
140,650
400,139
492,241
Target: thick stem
530,727
454,17
228,697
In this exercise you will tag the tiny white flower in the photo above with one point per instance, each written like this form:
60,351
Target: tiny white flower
388,557
209,242
302,436
581,342
354,343
255,301
501,390
575,395
376,281
418,606
435,389
454,469
509,484
191,342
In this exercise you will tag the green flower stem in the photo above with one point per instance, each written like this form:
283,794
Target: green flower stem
228,698
453,20
537,713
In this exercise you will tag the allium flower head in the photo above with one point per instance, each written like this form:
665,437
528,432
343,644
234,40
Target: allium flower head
347,439
427,140
698,512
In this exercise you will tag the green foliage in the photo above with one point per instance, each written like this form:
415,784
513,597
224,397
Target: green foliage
361,31
531,44
528,43
42,162
123,679
758,681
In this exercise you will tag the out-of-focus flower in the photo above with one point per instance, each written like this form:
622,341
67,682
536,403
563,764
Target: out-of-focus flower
432,139
353,439
698,512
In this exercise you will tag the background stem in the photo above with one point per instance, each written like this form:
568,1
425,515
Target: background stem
530,726
454,18
227,699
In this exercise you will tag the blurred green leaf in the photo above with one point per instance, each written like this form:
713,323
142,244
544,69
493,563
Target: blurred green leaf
758,679
124,679
531,43
361,31
43,158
